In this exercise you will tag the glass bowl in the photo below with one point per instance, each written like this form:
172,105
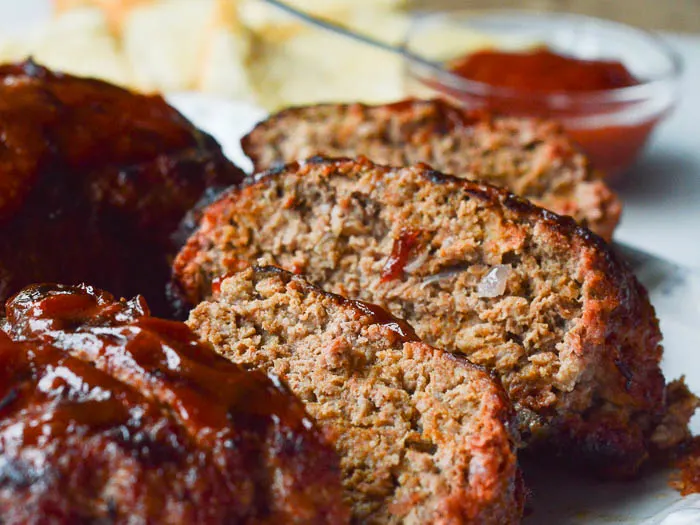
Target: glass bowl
612,126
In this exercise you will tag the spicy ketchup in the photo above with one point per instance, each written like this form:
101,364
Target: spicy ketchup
527,84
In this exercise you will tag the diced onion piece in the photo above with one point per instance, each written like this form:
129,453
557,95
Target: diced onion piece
417,262
442,276
494,282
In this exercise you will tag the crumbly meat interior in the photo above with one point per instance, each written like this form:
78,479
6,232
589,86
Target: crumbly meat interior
530,157
567,328
422,435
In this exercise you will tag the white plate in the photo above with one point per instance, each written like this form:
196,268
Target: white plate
228,121
559,498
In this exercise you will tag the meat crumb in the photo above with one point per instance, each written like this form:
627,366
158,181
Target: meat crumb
686,479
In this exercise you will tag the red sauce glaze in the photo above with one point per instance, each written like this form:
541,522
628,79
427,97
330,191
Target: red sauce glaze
384,318
400,253
535,74
97,184
118,338
216,283
108,414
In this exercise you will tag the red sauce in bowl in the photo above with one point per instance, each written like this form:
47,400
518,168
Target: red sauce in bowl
526,84
542,70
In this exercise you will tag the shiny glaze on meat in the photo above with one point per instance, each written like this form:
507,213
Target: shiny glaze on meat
94,181
109,414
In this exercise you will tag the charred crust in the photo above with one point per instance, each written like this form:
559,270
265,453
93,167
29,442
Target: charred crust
626,372
316,159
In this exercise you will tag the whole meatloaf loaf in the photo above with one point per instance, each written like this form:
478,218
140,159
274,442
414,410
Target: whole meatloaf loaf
94,183
475,270
108,415
530,157
423,436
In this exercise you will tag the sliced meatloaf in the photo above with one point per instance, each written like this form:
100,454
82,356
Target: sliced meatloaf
475,270
423,436
108,415
531,158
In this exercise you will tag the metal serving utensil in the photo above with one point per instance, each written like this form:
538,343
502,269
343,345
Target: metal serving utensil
354,35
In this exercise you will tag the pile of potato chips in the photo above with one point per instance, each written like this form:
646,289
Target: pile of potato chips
242,49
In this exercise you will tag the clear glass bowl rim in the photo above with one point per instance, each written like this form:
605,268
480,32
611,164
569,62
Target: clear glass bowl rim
640,92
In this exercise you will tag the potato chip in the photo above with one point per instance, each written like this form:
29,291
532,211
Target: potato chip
164,42
78,41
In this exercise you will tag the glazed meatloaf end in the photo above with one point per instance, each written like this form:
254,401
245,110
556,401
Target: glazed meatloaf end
108,415
531,158
423,436
475,270
94,182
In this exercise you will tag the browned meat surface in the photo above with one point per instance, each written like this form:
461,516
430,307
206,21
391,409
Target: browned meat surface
108,415
423,436
532,158
476,271
686,479
94,180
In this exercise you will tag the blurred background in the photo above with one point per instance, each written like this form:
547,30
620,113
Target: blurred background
243,51
668,15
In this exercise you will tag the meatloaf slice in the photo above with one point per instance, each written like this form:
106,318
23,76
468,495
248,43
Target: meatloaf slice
531,158
423,436
475,270
108,415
